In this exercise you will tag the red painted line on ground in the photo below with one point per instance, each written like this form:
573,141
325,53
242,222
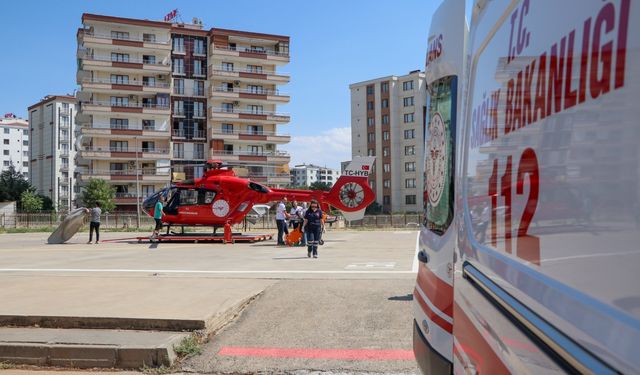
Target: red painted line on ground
348,354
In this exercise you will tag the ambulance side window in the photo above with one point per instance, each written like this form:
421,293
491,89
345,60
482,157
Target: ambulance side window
439,159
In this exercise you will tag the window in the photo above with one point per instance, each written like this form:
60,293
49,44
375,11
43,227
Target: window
254,69
228,149
410,183
148,190
25,154
119,79
254,89
5,152
178,150
385,103
227,66
188,197
7,130
386,200
386,167
118,146
371,137
178,66
26,131
6,141
198,47
369,106
408,117
385,135
255,129
119,35
384,87
407,85
385,151
197,68
227,107
178,107
410,199
148,124
198,109
178,45
256,150
119,57
148,59
120,101
149,81
409,134
408,101
198,88
370,121
385,119
409,150
64,121
259,49
370,90
255,109
119,123
178,86
371,152
151,38
148,146
410,167
6,163
198,151
386,184
227,128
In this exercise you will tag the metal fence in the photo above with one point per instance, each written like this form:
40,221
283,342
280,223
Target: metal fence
128,220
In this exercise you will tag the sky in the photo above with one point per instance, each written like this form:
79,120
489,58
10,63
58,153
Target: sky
333,44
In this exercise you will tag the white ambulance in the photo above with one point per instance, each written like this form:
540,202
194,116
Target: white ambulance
530,245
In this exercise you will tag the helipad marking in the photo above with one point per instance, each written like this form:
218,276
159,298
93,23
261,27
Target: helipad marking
345,354
208,272
371,266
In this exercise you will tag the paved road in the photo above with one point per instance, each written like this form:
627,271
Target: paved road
349,310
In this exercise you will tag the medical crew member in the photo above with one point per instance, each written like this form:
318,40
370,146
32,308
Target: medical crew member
312,227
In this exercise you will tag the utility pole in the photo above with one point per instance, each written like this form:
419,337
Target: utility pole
137,187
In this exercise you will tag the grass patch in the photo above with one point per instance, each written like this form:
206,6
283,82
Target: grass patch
27,230
5,365
157,370
189,346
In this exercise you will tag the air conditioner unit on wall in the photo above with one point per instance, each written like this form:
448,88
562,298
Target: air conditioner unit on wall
236,103
236,83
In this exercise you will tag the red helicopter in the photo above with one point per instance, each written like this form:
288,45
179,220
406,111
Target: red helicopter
220,196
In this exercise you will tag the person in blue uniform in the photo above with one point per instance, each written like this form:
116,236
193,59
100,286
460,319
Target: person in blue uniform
312,226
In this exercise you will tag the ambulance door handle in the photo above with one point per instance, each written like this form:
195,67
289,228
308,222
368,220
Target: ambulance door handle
423,257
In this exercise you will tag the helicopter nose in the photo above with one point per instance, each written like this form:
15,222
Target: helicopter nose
150,202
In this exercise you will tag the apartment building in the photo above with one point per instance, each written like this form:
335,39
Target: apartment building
51,152
243,98
387,119
15,143
124,119
189,98
306,174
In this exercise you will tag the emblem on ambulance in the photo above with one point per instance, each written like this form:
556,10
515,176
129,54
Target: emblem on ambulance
436,165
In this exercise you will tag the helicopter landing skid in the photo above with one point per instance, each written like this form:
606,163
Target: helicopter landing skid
202,237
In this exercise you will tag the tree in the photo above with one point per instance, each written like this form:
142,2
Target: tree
99,191
12,184
319,185
373,209
47,203
30,201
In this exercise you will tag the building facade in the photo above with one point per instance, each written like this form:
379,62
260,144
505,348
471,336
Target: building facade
162,97
15,143
244,96
387,120
306,174
51,152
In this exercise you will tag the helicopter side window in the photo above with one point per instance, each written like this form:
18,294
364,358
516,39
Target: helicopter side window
206,196
188,197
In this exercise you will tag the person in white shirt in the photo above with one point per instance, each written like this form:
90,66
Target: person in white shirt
281,220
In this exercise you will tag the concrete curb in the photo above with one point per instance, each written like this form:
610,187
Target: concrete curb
72,322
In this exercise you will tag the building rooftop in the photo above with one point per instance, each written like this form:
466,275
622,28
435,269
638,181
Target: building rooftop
11,119
51,98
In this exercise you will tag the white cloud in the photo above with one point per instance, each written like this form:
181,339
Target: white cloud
329,148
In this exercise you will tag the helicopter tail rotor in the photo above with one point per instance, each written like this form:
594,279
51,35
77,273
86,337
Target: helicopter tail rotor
351,194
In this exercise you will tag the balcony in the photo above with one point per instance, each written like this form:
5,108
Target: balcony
249,75
64,111
280,157
251,54
251,136
102,107
109,130
225,113
88,38
125,153
64,167
108,86
182,133
251,95
128,65
124,175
